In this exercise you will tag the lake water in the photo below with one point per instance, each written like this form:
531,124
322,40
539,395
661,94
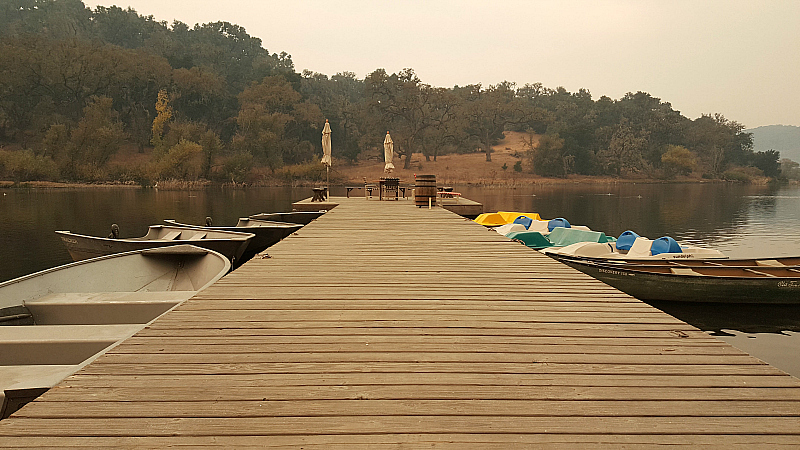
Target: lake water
742,221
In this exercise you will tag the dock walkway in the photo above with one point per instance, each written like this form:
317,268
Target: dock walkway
381,325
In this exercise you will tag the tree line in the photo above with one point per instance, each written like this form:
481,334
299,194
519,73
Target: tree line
209,102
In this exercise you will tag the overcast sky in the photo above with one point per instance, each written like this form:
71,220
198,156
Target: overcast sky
739,58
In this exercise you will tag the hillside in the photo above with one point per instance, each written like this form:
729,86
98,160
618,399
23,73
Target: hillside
451,169
784,138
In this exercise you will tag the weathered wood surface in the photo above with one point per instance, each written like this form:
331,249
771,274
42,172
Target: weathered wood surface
381,325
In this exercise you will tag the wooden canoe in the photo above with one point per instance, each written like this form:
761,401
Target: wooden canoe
767,280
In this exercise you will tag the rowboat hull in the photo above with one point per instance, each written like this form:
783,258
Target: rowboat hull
299,217
695,285
231,245
265,234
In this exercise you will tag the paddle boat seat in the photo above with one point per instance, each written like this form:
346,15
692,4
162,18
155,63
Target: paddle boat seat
626,240
510,228
532,239
524,221
640,247
664,245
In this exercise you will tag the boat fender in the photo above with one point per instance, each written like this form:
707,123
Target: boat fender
114,231
208,221
664,245
625,240
525,221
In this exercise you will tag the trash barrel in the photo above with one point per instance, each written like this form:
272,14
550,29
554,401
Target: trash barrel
425,190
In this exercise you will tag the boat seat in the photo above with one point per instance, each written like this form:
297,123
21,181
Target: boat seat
34,376
769,263
510,228
640,247
103,308
664,244
539,225
683,271
532,239
557,222
197,236
171,235
524,221
625,240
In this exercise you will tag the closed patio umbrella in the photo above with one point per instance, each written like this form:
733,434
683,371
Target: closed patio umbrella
388,153
326,153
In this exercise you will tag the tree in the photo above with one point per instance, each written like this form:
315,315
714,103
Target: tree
719,142
341,100
488,111
769,162
270,123
678,160
163,116
406,107
624,152
549,159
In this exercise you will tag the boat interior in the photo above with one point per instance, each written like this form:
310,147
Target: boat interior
54,322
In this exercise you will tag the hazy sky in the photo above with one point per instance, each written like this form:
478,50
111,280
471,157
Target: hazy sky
738,58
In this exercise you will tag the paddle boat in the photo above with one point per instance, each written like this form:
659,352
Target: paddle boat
502,218
630,246
231,244
58,320
559,237
266,233
767,281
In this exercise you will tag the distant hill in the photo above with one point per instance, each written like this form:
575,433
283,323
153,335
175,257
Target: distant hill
784,138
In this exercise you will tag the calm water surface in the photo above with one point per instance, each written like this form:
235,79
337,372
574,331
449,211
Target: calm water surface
742,221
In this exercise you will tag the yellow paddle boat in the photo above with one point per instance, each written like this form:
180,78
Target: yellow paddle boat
503,217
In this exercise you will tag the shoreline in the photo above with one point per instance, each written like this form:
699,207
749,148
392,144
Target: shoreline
189,186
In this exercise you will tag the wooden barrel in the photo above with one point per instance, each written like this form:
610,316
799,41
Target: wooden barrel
425,190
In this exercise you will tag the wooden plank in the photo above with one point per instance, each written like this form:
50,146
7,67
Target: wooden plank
406,340
206,368
497,408
491,441
282,426
435,378
159,357
205,393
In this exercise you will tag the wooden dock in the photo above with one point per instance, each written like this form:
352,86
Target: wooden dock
381,325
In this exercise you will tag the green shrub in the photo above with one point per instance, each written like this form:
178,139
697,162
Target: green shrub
184,161
24,165
236,167
742,174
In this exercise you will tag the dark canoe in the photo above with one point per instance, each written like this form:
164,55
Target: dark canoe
745,283
266,234
301,217
784,261
230,244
